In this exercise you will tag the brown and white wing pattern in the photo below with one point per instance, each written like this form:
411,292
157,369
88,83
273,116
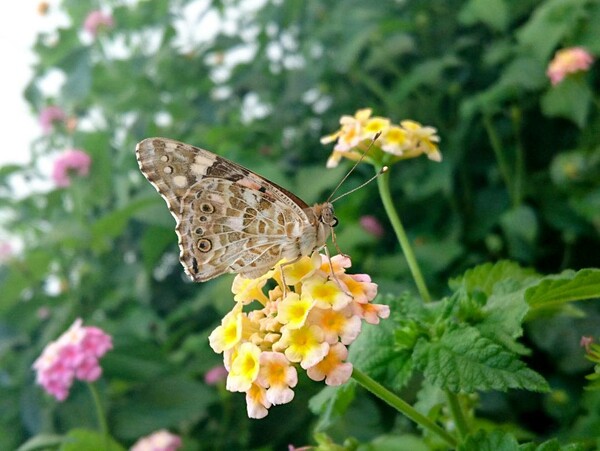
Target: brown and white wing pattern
229,219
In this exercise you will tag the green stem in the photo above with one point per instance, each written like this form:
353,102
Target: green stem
383,183
402,406
99,410
519,157
500,158
462,426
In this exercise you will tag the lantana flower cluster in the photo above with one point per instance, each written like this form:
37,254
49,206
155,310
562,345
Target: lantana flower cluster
408,139
568,61
74,355
306,320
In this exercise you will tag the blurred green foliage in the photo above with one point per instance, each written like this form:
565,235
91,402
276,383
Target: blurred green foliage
260,83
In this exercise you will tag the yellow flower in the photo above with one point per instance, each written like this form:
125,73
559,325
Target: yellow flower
305,267
325,293
305,345
374,126
394,140
263,347
408,140
229,333
248,290
244,368
293,310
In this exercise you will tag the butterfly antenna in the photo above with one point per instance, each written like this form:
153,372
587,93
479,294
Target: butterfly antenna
362,157
381,171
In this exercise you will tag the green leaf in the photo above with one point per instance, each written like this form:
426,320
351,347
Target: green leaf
484,278
22,274
331,404
493,13
375,352
113,223
41,442
87,440
554,290
463,360
549,24
570,99
490,441
163,402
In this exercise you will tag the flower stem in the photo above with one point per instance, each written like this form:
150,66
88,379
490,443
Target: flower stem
402,406
99,410
383,183
457,414
503,165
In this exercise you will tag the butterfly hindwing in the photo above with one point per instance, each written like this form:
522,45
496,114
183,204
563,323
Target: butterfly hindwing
228,218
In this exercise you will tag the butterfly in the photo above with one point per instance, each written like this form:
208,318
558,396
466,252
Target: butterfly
230,219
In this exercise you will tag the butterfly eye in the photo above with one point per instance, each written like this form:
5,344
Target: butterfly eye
334,222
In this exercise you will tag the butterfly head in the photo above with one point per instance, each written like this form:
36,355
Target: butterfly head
326,215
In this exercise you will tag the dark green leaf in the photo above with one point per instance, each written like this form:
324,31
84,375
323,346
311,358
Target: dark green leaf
463,360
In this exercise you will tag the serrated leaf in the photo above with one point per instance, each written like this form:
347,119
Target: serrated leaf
554,290
503,320
464,360
490,441
484,277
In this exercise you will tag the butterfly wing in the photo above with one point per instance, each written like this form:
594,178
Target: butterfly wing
228,218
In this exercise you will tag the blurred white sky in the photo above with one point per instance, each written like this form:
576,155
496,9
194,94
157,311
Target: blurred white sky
19,23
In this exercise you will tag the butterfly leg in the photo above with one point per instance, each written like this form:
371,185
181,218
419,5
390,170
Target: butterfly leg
337,248
291,262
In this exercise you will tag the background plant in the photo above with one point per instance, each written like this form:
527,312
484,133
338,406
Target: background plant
519,181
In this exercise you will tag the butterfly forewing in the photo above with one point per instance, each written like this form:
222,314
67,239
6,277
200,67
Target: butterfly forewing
229,219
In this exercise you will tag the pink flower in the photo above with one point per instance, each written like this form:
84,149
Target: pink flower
73,159
96,21
161,440
74,355
568,61
50,115
372,225
215,375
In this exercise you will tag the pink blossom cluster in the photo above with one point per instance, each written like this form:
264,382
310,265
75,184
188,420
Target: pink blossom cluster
161,440
49,116
568,61
74,354
74,159
97,20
